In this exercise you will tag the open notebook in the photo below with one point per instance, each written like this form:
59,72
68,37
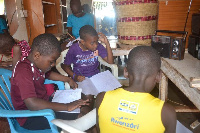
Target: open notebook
103,81
67,96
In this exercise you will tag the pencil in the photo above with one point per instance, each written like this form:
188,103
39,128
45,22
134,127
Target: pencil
70,35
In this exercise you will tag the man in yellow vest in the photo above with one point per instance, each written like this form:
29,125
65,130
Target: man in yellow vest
134,109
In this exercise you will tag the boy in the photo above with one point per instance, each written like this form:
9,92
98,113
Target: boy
84,54
27,83
133,109
78,18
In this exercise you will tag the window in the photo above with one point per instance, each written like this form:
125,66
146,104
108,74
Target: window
2,7
105,17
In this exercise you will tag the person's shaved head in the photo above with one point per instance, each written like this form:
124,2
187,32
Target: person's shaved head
143,60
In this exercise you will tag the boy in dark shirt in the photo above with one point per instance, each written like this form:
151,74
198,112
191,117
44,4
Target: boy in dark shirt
27,83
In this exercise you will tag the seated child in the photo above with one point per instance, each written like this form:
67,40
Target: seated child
18,51
27,83
84,55
8,47
134,109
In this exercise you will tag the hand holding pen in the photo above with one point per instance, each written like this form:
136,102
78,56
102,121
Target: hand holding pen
79,78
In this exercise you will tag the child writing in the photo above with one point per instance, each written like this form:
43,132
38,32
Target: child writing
133,106
84,54
78,18
27,83
84,57
8,47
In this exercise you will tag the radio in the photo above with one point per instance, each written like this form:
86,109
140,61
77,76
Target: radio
169,46
194,46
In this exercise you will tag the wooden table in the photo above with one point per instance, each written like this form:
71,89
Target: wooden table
179,72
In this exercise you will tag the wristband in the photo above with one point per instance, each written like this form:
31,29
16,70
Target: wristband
73,76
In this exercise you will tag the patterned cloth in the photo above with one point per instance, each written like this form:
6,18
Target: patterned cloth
25,48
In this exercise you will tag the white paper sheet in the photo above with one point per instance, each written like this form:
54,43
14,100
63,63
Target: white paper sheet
100,82
67,96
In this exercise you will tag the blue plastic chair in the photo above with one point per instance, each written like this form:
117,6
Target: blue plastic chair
7,110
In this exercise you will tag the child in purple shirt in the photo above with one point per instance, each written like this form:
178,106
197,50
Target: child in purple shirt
84,57
84,54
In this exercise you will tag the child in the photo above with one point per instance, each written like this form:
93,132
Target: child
8,47
84,57
27,82
18,51
133,109
78,18
84,54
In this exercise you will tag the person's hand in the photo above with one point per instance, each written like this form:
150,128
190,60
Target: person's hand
103,38
72,38
5,64
80,78
77,104
72,84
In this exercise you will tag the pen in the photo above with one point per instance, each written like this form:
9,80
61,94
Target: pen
80,72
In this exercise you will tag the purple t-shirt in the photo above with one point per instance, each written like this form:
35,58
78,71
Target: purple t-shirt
85,62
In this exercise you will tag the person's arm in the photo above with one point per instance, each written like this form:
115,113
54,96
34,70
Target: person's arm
99,99
16,55
6,64
169,118
6,31
70,33
104,39
34,103
59,77
68,70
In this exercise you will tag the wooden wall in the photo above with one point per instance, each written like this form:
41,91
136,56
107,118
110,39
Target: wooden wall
172,15
35,20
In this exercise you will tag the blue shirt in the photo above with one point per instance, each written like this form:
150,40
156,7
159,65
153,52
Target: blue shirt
77,22
3,25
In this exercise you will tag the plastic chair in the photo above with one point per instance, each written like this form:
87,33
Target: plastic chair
7,110
79,125
103,63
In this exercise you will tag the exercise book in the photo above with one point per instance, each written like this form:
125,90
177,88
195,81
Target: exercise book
100,82
67,96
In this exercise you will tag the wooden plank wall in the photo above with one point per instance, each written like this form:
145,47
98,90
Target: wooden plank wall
35,20
172,15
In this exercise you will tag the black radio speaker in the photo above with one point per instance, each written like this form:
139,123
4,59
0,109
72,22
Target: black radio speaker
194,46
196,24
169,46
177,49
161,44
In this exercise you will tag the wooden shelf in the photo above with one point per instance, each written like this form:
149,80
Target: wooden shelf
50,3
49,25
